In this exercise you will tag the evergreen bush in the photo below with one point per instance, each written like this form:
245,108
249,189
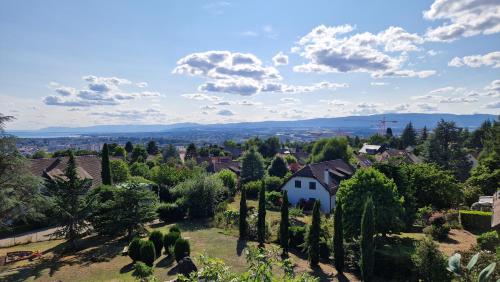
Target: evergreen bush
182,249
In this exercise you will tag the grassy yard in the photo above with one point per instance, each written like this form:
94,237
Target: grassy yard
100,260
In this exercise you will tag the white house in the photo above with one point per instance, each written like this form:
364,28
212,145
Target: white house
318,181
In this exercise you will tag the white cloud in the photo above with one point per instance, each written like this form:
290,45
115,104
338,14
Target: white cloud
493,105
201,97
225,112
99,91
135,115
280,59
208,108
142,84
336,103
328,50
290,100
442,90
250,33
239,73
378,83
248,103
493,89
366,108
491,59
427,107
463,18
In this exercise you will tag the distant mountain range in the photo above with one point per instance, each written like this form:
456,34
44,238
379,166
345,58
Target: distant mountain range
394,120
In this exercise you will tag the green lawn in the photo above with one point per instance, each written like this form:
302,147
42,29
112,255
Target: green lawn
100,260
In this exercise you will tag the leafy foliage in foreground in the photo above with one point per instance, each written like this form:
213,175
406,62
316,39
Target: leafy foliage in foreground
260,268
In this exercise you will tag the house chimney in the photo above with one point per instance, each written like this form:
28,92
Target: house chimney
326,177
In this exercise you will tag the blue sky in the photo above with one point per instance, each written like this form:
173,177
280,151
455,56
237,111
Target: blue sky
78,63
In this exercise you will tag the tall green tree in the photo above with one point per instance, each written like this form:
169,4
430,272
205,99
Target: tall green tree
129,147
261,217
139,154
445,148
398,172
252,166
119,171
124,209
278,167
105,166
243,225
152,148
424,135
313,236
270,147
367,246
70,203
409,136
170,153
20,197
352,195
284,223
338,239
191,151
432,185
327,149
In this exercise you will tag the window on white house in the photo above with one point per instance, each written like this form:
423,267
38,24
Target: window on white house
312,185
298,184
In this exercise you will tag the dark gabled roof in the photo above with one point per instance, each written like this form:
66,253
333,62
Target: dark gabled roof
88,167
216,166
337,169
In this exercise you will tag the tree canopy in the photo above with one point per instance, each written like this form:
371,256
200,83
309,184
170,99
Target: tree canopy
330,149
353,193
252,166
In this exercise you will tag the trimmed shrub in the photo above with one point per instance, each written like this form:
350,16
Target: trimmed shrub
170,212
157,238
273,183
134,249
252,189
169,240
181,249
175,228
297,236
475,221
141,270
394,266
488,241
437,232
273,199
148,254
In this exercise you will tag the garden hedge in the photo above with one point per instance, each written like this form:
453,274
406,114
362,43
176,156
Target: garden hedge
475,221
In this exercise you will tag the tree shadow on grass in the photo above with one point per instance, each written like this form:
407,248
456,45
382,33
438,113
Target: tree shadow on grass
194,225
173,271
321,274
166,261
127,268
95,249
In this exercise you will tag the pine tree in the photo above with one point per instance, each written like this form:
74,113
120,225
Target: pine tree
338,239
409,136
105,166
70,205
313,236
261,220
424,135
284,224
366,242
243,214
129,147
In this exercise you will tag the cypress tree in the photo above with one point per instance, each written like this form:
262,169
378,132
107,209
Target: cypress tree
243,214
338,239
261,220
367,245
105,166
313,236
284,224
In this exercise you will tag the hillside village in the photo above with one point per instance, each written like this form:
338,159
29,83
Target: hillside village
336,209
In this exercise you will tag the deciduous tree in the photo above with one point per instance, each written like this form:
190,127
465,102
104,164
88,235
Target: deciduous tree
252,166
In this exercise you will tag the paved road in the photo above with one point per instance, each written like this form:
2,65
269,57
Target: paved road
38,235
